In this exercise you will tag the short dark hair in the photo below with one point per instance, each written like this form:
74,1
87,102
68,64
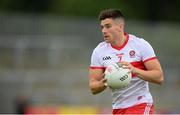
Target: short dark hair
111,13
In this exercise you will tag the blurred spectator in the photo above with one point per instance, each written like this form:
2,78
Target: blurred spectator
21,103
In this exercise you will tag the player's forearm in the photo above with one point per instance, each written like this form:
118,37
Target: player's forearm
97,87
154,76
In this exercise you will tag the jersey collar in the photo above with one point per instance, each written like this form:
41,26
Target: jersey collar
123,45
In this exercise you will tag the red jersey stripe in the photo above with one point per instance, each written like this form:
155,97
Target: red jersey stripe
137,64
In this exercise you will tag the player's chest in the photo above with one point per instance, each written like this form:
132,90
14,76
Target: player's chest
109,57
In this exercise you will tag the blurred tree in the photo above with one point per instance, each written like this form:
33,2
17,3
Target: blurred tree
151,10
82,7
30,6
163,10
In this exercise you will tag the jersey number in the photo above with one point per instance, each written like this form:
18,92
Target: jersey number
119,56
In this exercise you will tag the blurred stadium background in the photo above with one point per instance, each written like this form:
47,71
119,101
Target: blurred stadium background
45,48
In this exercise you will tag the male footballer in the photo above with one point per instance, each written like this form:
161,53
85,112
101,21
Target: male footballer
132,52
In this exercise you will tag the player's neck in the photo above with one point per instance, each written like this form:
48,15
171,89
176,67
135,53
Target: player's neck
120,41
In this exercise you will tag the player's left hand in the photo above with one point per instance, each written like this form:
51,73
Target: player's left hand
127,65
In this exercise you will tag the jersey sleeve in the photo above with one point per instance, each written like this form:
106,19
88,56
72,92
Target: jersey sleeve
147,51
95,60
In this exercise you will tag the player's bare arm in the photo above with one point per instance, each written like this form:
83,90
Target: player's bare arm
153,73
96,80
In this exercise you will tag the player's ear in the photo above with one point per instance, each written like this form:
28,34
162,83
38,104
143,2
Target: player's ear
121,25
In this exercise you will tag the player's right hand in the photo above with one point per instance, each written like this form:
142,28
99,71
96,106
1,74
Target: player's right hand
104,80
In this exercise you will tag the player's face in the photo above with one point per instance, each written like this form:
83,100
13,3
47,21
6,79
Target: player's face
110,30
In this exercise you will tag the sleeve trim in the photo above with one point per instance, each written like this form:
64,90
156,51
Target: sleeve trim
95,67
149,59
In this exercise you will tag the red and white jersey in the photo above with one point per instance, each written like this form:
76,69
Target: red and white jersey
136,51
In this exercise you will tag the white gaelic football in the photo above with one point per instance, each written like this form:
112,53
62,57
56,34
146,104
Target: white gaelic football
117,77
